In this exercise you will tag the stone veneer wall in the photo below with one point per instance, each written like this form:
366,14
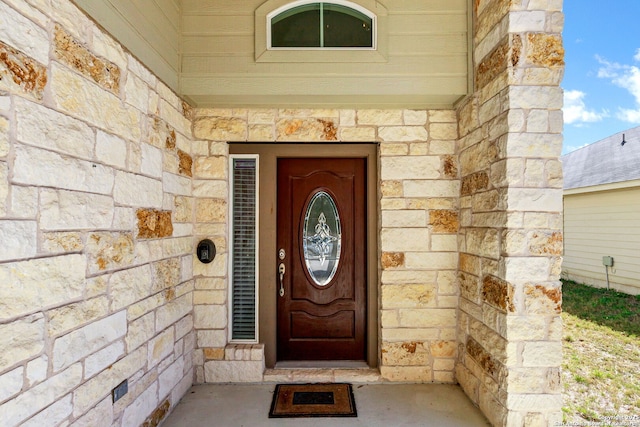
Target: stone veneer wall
511,214
419,188
96,226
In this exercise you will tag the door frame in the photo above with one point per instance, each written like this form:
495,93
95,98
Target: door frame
267,290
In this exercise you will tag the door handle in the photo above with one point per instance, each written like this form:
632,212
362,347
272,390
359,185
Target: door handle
281,270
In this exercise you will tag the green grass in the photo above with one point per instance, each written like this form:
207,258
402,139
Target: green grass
601,363
605,307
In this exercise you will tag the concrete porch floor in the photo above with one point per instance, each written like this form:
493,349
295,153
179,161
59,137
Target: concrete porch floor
243,405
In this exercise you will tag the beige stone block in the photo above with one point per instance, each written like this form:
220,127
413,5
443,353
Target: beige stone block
391,188
446,131
408,277
23,287
261,133
446,377
262,116
440,147
41,396
405,354
379,117
444,365
211,210
431,260
417,374
468,382
217,268
64,210
545,145
4,137
145,306
414,117
388,204
431,188
447,282
12,383
174,117
212,167
70,316
78,97
420,149
542,402
46,128
19,238
403,133
82,342
542,354
140,331
160,347
534,381
347,117
211,338
211,283
408,296
131,285
209,297
389,319
527,269
404,219
173,311
179,246
427,317
444,243
24,34
137,190
394,149
404,239
357,134
446,116
25,338
410,167
443,348
311,129
483,242
233,371
210,316
99,416
391,334
33,166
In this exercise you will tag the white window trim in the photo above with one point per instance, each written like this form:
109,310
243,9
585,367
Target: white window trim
322,55
351,5
232,157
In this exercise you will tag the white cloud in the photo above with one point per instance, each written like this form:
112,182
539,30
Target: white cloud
575,110
627,77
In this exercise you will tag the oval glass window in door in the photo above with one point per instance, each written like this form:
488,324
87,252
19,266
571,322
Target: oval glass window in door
321,238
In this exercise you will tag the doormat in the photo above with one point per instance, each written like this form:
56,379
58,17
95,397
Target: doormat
313,400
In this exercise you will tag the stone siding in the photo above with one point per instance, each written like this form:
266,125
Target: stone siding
96,225
509,331
418,211
108,180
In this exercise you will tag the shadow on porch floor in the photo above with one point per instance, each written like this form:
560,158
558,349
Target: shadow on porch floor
237,405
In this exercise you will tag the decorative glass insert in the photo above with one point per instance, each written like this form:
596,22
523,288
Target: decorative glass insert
244,237
322,238
322,25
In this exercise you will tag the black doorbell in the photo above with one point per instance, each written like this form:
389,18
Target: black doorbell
206,251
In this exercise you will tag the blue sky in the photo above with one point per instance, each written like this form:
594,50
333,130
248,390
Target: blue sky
602,75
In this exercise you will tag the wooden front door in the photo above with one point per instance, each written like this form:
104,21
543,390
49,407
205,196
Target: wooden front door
321,260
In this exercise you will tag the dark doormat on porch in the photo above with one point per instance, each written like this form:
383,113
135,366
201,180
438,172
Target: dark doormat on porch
313,400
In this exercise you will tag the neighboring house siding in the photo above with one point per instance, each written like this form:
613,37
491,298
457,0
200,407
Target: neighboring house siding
149,29
603,223
426,62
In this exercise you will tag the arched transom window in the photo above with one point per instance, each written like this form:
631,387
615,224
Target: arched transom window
334,24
